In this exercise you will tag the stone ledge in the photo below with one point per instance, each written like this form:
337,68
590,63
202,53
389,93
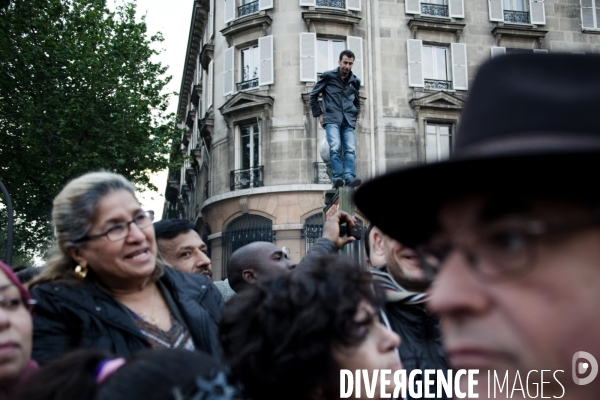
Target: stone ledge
435,25
330,16
518,32
264,190
256,23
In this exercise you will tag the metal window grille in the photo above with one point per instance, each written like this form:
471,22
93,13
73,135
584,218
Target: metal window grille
249,8
242,231
521,17
313,230
246,178
435,10
332,3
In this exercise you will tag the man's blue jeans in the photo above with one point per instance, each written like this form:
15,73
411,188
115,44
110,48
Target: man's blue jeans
340,137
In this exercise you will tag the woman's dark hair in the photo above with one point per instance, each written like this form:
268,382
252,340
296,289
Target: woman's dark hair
147,375
278,335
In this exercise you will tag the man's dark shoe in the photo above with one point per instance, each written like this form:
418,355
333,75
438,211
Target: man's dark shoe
339,182
354,182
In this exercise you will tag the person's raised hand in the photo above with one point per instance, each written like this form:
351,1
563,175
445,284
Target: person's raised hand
331,229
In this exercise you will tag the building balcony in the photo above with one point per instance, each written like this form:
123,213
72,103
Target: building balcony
246,178
436,84
249,84
247,9
322,173
332,3
519,17
434,10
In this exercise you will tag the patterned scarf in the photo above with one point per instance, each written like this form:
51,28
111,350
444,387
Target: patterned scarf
393,291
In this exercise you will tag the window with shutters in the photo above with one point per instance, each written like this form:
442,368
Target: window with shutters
248,172
352,5
248,68
434,8
590,14
328,53
240,8
318,55
438,143
518,11
435,67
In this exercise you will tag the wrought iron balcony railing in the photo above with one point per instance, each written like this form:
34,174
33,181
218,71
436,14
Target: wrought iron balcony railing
435,84
246,178
435,10
521,17
332,3
249,8
322,175
247,84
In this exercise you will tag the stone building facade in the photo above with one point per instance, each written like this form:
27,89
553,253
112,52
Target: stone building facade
253,170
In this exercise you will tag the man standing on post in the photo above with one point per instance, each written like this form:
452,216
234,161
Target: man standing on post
341,102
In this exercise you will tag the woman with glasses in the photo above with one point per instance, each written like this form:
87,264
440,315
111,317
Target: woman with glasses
104,287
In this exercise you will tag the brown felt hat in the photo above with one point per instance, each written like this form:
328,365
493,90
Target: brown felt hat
531,125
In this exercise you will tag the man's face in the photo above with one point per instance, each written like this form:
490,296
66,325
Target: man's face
345,65
536,320
404,266
273,261
186,252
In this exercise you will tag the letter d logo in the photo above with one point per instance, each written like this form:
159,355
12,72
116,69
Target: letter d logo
583,367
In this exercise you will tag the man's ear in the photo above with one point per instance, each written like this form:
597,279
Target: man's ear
249,276
75,254
378,246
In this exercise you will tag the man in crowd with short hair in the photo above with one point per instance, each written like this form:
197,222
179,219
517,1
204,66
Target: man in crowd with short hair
398,270
510,227
263,260
181,246
340,89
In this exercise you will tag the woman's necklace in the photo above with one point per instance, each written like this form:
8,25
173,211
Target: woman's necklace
151,318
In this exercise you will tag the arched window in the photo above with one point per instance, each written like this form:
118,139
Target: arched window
242,231
313,230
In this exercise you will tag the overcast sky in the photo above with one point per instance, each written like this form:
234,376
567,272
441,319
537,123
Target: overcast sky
172,18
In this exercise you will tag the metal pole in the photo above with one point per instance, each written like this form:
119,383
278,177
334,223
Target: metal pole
9,228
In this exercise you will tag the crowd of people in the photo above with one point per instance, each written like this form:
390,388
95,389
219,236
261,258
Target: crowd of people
492,264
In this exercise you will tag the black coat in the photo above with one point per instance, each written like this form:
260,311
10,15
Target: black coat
340,99
421,346
70,315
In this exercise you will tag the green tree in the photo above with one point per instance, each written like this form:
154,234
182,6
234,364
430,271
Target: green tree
78,92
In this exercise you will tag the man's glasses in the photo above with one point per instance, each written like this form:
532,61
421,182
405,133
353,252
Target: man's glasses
501,251
121,230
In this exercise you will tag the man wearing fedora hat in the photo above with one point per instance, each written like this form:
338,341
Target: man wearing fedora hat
510,227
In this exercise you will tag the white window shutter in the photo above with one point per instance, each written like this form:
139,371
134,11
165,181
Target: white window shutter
355,45
308,3
456,8
496,10
538,12
308,57
228,67
353,5
540,50
459,66
209,86
496,51
415,63
412,6
265,64
211,19
588,19
265,4
229,10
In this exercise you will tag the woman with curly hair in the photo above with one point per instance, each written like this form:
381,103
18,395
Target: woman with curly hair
288,337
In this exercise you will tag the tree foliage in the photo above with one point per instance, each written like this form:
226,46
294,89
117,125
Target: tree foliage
78,92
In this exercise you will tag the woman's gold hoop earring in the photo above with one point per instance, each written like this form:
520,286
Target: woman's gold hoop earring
81,272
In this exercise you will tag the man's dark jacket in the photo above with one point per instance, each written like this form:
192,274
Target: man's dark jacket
71,315
340,99
421,346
